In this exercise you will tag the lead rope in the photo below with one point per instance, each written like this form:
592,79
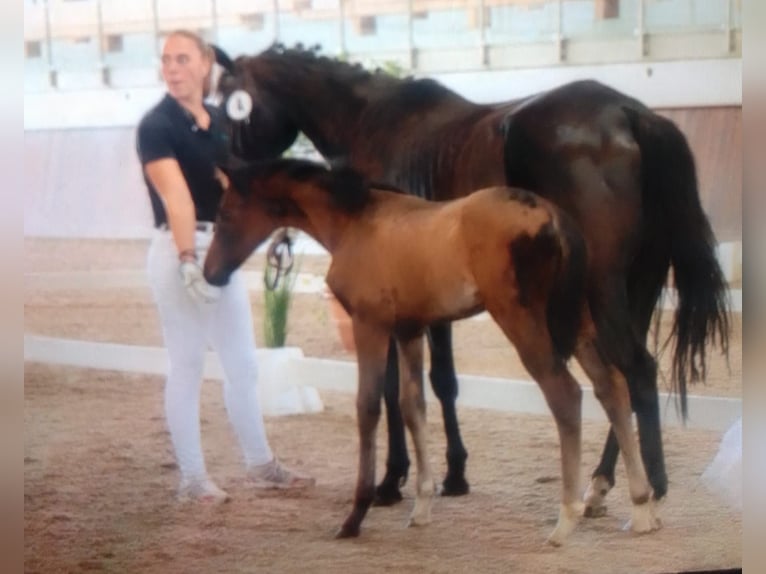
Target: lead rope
279,260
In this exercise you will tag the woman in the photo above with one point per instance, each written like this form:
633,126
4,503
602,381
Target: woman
180,141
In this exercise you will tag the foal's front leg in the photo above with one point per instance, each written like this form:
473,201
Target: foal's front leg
413,406
371,349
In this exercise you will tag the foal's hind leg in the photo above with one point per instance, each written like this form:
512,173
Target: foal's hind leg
445,386
564,397
397,462
610,387
413,405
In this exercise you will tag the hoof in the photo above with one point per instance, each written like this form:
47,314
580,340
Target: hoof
556,539
644,519
595,511
387,495
347,531
595,497
569,517
455,486
419,519
415,522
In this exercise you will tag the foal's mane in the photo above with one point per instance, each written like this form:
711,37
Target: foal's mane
348,189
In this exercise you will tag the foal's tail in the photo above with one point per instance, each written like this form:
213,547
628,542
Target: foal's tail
677,231
567,296
566,277
550,268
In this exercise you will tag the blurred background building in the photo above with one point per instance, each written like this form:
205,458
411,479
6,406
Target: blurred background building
91,71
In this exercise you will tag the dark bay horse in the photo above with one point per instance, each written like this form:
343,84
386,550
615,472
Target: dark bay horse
625,174
502,249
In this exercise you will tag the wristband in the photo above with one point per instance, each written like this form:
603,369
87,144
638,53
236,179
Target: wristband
187,254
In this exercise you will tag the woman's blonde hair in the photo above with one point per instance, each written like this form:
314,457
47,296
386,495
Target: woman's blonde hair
205,49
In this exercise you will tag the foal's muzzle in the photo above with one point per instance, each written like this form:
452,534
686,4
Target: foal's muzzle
218,278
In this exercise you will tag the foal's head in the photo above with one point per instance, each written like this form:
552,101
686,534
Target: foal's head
266,196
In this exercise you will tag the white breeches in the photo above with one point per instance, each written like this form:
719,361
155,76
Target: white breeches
188,327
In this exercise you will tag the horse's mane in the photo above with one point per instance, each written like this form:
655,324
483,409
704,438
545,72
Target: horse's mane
398,92
332,67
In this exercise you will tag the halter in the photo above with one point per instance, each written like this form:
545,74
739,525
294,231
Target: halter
279,258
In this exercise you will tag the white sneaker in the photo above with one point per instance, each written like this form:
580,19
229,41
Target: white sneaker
275,475
204,490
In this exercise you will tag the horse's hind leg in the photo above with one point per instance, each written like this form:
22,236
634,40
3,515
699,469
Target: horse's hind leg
646,404
372,348
602,479
627,333
397,463
413,405
642,384
611,389
564,398
445,386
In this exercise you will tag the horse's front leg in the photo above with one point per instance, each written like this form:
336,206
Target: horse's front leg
445,386
413,403
372,348
388,491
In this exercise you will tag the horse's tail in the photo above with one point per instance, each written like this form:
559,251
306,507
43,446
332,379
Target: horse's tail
677,231
567,296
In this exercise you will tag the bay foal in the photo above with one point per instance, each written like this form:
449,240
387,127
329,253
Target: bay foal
401,263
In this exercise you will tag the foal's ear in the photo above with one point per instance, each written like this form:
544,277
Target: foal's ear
349,188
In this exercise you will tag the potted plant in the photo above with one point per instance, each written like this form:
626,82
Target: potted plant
279,395
276,306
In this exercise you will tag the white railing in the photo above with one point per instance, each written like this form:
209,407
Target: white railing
422,35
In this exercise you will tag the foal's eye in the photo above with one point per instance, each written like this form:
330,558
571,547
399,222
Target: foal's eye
275,208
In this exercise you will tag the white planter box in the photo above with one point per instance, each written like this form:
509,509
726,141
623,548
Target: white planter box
280,392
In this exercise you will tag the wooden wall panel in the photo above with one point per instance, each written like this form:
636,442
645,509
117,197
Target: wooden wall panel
715,136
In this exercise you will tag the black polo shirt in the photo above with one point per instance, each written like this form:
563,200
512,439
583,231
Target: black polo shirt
169,131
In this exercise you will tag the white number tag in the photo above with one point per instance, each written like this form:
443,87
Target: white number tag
239,105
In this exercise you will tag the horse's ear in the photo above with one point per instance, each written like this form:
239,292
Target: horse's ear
222,58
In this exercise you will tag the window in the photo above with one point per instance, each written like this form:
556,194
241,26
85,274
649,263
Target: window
253,20
113,43
32,49
366,25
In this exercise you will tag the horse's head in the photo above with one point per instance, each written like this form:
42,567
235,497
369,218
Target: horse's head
263,131
324,97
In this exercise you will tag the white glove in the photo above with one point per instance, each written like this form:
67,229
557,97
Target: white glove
194,281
